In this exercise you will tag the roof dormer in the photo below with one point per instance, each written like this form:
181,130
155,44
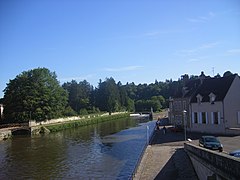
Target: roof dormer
212,97
199,98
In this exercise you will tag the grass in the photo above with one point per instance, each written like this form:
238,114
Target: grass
84,122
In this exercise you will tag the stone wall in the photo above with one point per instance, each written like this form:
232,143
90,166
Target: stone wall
212,164
5,134
55,121
66,119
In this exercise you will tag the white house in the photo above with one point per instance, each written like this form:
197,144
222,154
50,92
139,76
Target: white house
215,106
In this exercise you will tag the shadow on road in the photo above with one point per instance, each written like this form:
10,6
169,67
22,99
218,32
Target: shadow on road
179,166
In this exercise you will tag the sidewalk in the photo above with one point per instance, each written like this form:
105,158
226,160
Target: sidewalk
166,159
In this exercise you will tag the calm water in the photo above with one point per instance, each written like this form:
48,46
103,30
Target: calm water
104,151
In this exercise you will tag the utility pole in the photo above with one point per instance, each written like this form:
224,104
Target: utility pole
185,123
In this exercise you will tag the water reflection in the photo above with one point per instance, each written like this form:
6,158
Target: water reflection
106,151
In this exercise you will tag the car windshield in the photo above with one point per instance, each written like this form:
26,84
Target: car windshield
211,139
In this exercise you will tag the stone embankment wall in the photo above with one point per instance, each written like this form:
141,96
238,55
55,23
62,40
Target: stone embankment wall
53,121
5,134
212,164
66,119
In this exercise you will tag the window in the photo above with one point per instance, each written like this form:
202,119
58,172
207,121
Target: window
204,118
176,105
195,117
215,117
178,120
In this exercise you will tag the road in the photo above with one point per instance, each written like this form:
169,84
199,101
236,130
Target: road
229,143
165,158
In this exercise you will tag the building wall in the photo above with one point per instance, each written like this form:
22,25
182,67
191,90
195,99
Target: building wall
232,105
176,108
209,126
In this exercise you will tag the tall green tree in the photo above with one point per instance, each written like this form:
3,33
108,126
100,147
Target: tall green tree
79,95
34,94
227,73
113,96
107,96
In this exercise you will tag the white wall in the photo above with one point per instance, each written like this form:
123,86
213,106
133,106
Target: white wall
209,127
232,104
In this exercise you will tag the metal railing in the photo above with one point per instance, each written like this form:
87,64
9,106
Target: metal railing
149,139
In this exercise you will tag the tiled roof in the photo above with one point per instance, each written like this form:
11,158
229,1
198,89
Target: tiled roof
190,87
217,86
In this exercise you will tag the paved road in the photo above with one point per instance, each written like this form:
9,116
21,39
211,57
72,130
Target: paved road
230,143
166,159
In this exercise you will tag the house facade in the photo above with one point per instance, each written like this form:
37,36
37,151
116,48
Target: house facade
208,105
215,106
179,111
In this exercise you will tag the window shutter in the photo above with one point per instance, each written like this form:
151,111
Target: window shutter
212,118
192,117
219,118
200,118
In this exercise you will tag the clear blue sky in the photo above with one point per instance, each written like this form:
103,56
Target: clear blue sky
130,40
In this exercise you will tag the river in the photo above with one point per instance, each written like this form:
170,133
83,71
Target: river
108,150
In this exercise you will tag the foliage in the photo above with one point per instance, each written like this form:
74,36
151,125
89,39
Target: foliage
34,94
108,96
84,122
69,111
227,73
83,111
79,94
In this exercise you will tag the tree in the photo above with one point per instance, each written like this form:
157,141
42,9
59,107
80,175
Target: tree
79,94
217,76
130,105
113,97
123,96
227,73
107,96
34,94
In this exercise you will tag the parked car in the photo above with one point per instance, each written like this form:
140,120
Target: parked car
235,153
210,142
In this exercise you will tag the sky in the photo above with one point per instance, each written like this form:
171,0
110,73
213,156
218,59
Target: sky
136,41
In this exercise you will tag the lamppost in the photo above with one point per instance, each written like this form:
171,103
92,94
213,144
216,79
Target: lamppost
184,119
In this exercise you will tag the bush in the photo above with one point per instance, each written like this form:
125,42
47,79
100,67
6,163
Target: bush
69,112
83,112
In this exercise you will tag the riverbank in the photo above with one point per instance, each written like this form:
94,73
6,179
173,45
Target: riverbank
81,122
165,158
58,124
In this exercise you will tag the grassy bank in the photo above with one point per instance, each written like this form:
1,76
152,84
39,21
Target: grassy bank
84,122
